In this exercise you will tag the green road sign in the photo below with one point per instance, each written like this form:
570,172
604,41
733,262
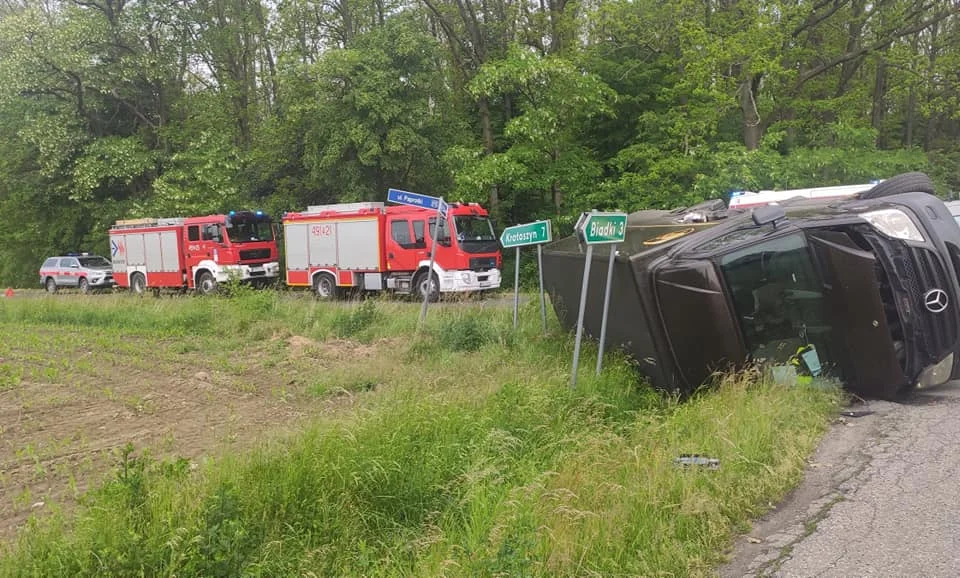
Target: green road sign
598,228
523,235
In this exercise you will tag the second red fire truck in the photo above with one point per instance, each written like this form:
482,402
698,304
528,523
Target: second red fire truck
195,252
374,247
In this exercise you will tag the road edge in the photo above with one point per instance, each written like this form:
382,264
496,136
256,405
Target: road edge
839,459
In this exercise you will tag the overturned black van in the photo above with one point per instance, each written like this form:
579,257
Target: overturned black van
867,281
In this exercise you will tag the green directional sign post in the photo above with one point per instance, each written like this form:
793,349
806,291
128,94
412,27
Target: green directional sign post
595,228
536,233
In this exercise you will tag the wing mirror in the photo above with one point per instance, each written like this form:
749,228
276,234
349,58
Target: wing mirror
768,214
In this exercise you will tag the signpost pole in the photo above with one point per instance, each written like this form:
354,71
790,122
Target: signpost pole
543,301
517,236
583,305
606,308
433,257
516,291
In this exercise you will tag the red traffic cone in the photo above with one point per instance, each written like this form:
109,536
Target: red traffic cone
9,292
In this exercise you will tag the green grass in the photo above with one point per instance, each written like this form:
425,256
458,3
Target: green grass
475,458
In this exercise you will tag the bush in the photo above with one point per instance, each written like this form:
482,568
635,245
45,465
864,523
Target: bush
350,323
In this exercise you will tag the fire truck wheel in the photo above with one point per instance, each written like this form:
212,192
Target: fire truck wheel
51,285
429,283
207,284
84,286
325,286
138,283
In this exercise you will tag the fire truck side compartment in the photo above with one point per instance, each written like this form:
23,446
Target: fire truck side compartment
358,245
135,252
323,243
170,251
296,247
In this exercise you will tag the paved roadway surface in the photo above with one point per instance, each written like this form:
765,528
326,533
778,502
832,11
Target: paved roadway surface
881,498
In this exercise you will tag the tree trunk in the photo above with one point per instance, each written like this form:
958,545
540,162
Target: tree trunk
879,110
931,132
488,150
747,94
554,186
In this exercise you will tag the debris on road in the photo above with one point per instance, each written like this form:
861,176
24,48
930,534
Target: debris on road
858,413
687,460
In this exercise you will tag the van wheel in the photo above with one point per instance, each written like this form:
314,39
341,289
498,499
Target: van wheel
51,285
325,286
207,283
424,284
84,286
138,283
904,183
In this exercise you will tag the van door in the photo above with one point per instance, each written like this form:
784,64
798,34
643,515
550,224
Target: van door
698,322
853,295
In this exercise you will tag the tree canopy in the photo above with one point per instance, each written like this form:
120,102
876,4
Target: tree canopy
126,108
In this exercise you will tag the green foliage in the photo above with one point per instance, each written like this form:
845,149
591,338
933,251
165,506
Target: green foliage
152,108
351,323
522,476
465,333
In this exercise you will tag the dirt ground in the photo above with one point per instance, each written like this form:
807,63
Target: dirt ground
71,399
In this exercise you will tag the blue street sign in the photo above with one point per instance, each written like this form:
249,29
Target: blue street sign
414,199
444,207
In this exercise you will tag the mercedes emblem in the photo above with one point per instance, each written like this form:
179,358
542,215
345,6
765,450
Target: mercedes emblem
935,300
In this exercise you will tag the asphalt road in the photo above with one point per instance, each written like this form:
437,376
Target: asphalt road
881,498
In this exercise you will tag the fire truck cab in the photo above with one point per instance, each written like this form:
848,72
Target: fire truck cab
373,247
194,252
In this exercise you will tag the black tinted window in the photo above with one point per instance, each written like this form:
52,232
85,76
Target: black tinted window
400,231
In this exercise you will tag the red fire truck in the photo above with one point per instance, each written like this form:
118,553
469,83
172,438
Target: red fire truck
195,252
373,247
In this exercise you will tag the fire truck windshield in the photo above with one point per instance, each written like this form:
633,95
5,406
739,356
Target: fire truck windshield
474,229
249,231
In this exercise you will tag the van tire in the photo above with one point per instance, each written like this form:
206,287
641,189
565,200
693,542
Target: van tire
84,286
138,283
325,286
915,182
51,285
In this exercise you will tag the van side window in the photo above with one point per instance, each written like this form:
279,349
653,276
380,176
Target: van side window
400,231
193,233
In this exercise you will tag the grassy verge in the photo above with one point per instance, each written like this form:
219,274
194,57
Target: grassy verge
478,460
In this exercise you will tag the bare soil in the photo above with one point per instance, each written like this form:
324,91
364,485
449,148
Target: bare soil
71,399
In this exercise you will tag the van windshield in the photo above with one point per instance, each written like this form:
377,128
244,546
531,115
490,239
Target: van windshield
778,297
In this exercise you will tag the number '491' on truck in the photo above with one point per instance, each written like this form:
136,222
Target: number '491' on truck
374,247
